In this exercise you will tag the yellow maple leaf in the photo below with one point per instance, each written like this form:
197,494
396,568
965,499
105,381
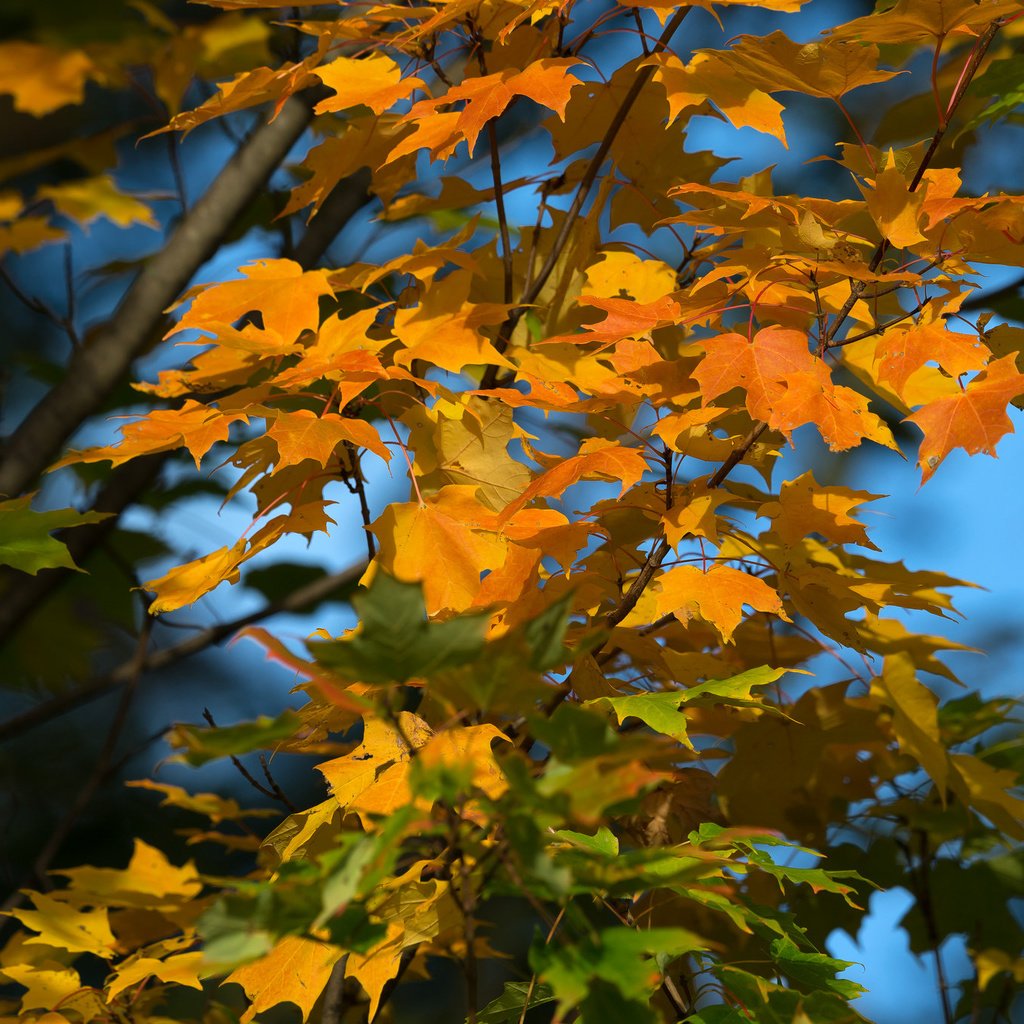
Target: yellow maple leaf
915,717
295,971
47,984
89,198
717,596
185,584
149,881
805,507
373,81
180,969
65,927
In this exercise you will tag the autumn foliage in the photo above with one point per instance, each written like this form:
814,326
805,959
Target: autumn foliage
587,677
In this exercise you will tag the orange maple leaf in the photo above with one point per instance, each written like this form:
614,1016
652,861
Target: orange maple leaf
287,297
903,351
373,81
974,420
596,458
624,318
788,386
304,435
546,82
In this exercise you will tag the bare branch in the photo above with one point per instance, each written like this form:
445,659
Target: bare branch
310,594
96,368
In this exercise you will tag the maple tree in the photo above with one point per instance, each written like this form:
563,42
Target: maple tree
585,676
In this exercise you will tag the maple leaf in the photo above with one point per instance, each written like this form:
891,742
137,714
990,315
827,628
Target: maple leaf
546,82
181,969
47,987
42,79
787,386
908,20
63,926
694,513
373,81
688,86
975,419
901,352
194,426
247,89
185,584
895,209
422,543
915,719
287,297
295,971
150,881
25,541
829,69
304,435
805,507
717,596
596,458
624,318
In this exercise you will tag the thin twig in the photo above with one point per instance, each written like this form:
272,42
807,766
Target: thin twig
272,789
981,46
583,190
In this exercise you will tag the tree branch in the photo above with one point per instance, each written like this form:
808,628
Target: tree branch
312,593
124,485
96,367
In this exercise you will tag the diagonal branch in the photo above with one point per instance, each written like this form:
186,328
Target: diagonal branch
125,484
97,367
311,594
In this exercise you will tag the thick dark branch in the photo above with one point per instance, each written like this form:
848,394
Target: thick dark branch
304,597
96,368
124,485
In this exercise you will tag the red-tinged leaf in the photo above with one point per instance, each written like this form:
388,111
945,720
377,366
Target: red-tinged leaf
624,319
974,420
329,687
546,82
304,435
286,296
717,596
788,386
903,351
596,460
